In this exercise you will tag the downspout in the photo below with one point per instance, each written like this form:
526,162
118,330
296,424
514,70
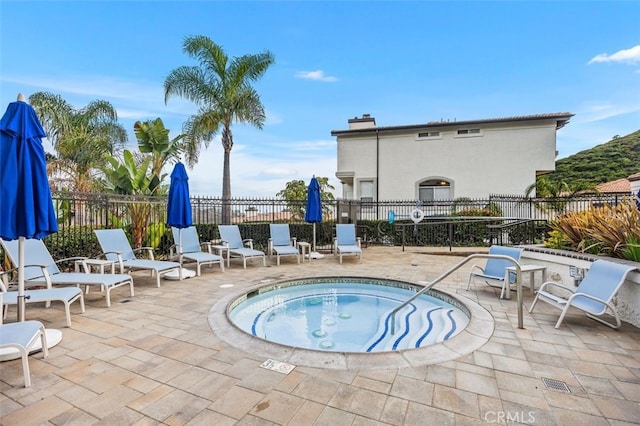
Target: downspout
377,163
377,173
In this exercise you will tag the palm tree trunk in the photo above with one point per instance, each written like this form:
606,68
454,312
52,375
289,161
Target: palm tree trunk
227,144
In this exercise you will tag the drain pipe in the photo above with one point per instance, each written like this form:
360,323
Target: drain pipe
377,173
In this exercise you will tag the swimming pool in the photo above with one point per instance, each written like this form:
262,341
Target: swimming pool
348,315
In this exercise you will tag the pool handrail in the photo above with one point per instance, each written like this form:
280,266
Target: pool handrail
457,266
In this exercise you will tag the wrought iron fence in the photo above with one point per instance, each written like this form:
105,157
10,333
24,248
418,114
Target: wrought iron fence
505,219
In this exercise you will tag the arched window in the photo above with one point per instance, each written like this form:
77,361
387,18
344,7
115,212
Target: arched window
434,190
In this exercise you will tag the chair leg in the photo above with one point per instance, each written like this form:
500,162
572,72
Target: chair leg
67,312
564,312
108,296
533,304
24,355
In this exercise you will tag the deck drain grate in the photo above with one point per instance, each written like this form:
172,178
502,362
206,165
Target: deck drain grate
556,385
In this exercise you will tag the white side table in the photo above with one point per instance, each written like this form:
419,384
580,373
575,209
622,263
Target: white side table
221,252
305,250
531,269
99,264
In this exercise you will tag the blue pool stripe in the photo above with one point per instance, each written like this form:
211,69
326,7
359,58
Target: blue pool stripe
406,328
387,321
454,326
430,321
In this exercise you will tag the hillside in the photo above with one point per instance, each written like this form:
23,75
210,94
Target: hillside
618,158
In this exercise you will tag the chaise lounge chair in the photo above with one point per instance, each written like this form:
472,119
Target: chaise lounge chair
116,247
230,236
40,268
346,241
593,295
189,248
494,270
22,336
66,295
281,243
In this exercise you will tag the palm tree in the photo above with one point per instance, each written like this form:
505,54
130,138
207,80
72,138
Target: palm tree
221,89
82,138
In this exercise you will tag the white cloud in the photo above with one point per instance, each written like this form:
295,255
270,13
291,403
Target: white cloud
630,56
317,75
599,111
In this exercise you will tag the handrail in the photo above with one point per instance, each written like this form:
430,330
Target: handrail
429,286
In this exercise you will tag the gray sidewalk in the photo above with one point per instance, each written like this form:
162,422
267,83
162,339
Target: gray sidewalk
154,359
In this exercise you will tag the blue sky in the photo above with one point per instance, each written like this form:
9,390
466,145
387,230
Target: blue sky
402,62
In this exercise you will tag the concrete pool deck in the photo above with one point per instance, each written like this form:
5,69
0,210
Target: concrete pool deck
154,359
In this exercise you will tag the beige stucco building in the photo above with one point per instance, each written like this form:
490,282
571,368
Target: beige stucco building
445,160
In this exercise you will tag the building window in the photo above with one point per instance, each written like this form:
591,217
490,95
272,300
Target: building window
434,190
367,193
428,134
469,132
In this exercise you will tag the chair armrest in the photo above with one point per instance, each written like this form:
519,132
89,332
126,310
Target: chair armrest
359,242
269,246
207,245
67,259
294,241
120,261
149,251
552,285
471,272
248,242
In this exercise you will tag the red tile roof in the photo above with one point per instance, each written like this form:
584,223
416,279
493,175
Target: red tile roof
620,185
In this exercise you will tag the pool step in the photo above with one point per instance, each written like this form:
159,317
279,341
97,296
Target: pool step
414,328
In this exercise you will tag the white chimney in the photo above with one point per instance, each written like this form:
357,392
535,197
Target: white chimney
366,122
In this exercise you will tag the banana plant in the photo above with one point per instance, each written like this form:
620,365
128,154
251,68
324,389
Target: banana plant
129,178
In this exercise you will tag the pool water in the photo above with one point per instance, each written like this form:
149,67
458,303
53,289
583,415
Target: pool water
348,315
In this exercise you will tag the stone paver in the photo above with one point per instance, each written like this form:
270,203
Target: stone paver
155,359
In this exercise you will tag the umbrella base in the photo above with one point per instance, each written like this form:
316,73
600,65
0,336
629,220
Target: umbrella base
175,275
316,255
53,338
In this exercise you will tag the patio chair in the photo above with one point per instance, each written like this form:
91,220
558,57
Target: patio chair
40,268
593,295
116,248
187,247
22,336
230,236
281,243
494,271
66,295
346,241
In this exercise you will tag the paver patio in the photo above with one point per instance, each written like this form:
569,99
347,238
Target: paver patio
154,359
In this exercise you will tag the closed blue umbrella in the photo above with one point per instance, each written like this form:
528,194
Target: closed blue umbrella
179,206
179,202
638,199
26,206
313,213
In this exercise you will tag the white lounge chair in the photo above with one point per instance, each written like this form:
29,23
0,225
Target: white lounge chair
346,241
22,336
230,236
66,295
41,268
187,247
116,247
281,243
593,295
494,271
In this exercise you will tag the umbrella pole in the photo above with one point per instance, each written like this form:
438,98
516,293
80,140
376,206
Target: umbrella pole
180,254
314,237
21,304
